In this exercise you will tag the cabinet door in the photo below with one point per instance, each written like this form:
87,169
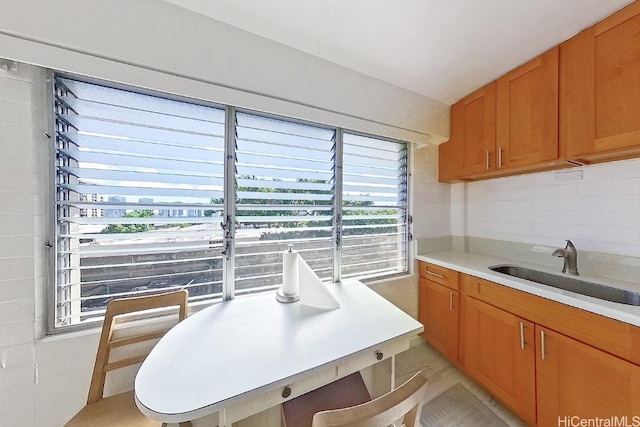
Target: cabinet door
499,354
439,315
602,68
474,120
575,379
446,162
527,113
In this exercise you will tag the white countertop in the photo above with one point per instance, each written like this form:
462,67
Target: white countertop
478,265
240,348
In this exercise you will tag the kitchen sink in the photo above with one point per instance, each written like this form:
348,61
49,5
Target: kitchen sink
571,284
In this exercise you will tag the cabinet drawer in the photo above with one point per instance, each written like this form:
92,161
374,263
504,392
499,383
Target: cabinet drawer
263,401
435,273
372,356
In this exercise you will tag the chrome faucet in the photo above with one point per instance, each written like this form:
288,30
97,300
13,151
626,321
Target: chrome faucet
570,256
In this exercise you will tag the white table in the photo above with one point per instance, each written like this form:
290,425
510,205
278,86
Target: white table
238,357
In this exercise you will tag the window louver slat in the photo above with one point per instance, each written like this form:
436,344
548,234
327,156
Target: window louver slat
139,195
283,196
375,217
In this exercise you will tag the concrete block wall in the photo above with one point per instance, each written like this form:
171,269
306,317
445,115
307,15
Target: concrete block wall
22,237
43,379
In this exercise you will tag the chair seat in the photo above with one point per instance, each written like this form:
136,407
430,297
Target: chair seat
348,391
117,410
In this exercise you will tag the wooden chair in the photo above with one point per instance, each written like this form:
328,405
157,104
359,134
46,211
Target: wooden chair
405,402
120,409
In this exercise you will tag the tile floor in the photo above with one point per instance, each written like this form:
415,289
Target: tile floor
443,375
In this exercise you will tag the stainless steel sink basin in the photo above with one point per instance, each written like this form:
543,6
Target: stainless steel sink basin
571,284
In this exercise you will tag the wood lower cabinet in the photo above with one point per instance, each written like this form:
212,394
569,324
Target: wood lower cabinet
601,69
438,312
439,308
500,354
574,379
546,361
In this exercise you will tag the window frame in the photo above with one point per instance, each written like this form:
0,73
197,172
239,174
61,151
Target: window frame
229,213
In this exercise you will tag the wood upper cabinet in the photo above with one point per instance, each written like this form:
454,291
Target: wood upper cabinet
574,379
601,66
499,353
446,162
510,125
473,131
447,159
527,113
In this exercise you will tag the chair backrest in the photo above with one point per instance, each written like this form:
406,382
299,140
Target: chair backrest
405,402
108,342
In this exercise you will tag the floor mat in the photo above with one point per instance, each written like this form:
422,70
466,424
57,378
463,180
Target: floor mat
457,407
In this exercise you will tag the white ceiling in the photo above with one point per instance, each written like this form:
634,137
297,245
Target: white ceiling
443,49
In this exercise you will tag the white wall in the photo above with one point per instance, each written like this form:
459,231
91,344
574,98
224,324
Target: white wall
39,379
219,62
21,240
596,206
431,200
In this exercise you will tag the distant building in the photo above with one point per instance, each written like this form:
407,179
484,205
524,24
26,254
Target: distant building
148,201
91,212
115,213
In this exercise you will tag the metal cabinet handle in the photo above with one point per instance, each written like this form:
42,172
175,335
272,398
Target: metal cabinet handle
488,161
522,335
379,355
543,351
499,157
435,274
450,301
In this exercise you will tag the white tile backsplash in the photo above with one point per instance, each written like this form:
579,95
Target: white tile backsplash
599,210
